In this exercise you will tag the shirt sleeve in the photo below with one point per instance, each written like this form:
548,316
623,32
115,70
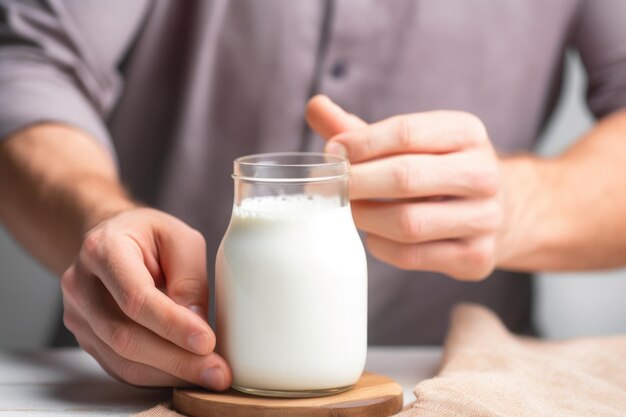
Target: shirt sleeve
600,37
59,61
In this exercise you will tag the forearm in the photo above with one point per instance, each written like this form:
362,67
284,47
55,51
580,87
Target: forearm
55,184
568,212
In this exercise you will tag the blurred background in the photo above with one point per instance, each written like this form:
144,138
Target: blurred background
566,305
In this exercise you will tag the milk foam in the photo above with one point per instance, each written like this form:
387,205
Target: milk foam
279,206
292,294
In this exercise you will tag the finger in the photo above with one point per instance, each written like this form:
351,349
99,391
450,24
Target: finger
131,372
411,175
184,267
328,119
409,222
118,263
470,260
138,344
430,132
115,365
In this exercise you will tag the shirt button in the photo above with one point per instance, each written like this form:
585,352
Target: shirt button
339,69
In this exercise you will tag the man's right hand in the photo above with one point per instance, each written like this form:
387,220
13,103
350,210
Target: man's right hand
136,299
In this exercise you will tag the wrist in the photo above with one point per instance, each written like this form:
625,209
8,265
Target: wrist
102,200
521,235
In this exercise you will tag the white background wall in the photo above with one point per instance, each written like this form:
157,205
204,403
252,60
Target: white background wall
567,305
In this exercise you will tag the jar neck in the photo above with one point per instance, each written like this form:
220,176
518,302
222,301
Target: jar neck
334,192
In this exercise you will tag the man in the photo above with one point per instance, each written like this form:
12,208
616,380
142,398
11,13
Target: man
171,92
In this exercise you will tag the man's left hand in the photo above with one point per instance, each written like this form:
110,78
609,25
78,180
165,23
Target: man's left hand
424,186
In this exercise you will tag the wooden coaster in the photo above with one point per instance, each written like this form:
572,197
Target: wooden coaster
373,396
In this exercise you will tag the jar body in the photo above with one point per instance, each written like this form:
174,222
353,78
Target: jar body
291,294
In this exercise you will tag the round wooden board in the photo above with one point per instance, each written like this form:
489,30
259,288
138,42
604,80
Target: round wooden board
373,396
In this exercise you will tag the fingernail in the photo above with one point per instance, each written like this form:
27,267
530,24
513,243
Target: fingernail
199,343
198,310
213,378
336,148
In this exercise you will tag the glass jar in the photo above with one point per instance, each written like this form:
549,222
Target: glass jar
291,278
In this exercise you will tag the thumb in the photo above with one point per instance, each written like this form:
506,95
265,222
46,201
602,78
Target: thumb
184,267
328,119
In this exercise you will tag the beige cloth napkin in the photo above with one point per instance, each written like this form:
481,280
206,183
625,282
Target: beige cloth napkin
162,410
488,372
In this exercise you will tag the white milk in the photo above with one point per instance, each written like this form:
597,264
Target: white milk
292,294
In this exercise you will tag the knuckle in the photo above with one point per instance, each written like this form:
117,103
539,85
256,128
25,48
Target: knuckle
410,225
484,181
406,134
168,327
184,287
130,372
69,321
365,148
179,367
68,281
487,218
70,290
121,340
477,257
478,260
405,177
132,303
92,244
493,216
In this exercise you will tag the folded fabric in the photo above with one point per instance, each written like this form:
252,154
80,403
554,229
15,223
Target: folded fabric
488,372
162,410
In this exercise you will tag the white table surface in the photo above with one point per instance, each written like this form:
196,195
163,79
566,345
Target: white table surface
68,382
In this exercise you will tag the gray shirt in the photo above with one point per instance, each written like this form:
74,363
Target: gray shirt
178,89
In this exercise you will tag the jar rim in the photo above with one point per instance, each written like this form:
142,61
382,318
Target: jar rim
290,167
